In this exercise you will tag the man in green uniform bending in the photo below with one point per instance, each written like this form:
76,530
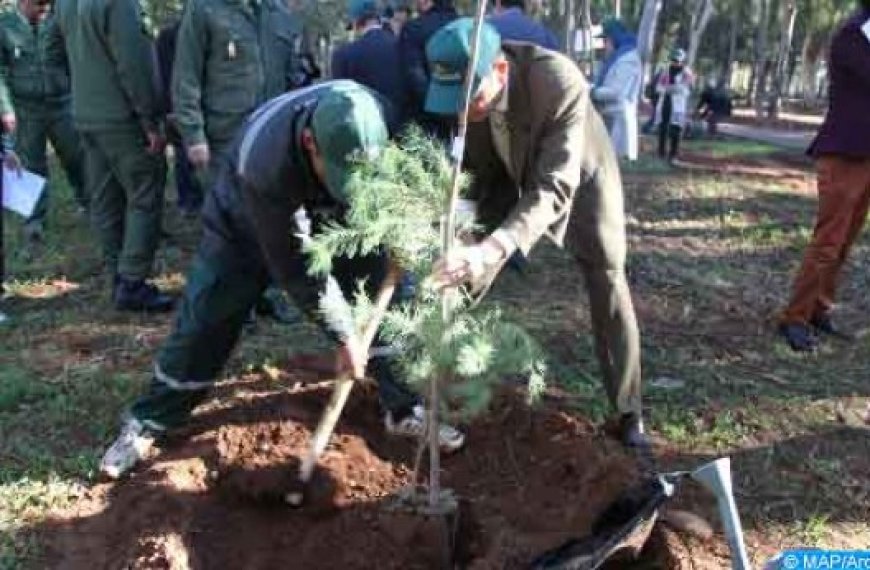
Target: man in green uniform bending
294,152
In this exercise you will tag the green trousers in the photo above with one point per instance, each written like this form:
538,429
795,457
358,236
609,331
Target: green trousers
220,156
37,126
126,185
221,290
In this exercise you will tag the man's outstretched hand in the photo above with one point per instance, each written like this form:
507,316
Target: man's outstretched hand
467,264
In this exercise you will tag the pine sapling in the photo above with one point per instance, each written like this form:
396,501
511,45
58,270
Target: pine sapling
396,204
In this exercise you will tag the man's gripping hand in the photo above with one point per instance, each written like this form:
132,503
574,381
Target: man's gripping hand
469,263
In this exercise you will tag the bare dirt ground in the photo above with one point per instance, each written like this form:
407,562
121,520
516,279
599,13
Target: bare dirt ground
529,480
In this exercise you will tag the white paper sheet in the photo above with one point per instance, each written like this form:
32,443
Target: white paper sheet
21,192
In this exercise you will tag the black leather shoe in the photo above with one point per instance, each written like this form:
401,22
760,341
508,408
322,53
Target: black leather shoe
799,337
138,295
823,324
631,431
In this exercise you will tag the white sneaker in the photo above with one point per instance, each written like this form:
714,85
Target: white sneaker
132,444
413,425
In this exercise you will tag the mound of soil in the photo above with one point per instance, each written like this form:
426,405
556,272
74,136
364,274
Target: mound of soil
528,479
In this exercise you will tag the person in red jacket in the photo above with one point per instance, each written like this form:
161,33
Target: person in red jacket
842,153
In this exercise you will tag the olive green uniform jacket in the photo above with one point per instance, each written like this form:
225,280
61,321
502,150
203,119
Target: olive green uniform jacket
27,76
36,88
112,62
231,56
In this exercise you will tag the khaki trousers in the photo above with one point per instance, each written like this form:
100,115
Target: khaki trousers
616,334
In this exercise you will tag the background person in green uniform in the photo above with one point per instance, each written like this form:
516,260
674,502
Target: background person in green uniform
543,166
35,101
295,151
231,56
116,110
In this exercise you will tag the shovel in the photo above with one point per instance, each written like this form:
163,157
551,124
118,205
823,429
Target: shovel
340,393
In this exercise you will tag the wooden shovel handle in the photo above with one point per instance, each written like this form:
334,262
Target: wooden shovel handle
382,303
342,388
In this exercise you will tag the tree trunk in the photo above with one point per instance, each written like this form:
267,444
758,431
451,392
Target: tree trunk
570,25
759,66
617,8
586,24
783,53
701,14
812,53
728,64
646,35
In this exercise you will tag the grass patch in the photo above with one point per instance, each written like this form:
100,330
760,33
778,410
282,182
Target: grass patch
730,147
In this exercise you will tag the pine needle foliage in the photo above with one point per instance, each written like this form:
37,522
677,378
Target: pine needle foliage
474,352
397,203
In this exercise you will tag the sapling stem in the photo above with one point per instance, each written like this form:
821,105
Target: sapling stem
449,237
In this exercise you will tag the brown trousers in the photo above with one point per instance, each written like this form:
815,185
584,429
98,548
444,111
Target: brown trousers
844,196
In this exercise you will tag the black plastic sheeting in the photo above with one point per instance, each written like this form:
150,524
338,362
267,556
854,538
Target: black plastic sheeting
632,512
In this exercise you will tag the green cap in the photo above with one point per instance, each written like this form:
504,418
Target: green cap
358,10
612,28
348,124
448,52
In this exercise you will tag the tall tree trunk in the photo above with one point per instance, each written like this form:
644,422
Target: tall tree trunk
635,10
646,35
812,52
809,70
759,65
783,53
586,15
728,64
570,25
617,8
702,11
